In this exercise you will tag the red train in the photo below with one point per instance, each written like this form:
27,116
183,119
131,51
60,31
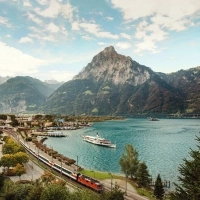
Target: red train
84,180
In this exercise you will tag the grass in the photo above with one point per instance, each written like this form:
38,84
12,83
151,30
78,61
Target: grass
105,175
97,174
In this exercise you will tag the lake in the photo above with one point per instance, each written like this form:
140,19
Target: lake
162,145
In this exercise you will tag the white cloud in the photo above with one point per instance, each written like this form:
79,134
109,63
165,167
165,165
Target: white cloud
123,45
52,11
158,18
25,40
75,26
102,43
110,18
34,18
55,8
8,36
86,37
4,21
96,30
27,3
14,62
43,2
52,28
61,75
126,36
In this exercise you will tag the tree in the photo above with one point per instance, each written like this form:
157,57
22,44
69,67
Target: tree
47,178
35,193
21,157
19,170
54,191
115,194
158,188
142,175
8,160
18,191
11,147
189,187
129,161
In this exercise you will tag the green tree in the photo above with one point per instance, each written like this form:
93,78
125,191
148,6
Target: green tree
158,188
18,192
189,188
11,147
115,194
54,191
21,157
129,161
8,160
142,175
35,193
19,170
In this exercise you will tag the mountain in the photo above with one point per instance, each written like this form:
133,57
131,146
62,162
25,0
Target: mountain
53,84
23,94
113,84
188,82
4,79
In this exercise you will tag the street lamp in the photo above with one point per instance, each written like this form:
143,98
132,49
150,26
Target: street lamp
111,181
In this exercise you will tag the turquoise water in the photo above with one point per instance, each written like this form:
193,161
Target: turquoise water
162,145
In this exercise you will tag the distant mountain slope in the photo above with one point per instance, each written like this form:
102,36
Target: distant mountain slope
187,81
115,84
4,79
22,94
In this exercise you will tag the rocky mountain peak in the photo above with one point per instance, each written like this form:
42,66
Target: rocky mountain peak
109,66
109,50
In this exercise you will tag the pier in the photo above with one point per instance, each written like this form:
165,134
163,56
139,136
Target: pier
56,134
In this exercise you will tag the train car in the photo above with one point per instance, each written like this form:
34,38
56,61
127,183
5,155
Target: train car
80,178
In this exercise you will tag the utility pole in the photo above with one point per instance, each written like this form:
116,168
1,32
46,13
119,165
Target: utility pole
126,183
77,163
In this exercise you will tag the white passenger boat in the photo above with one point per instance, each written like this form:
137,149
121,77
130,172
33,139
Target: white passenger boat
98,141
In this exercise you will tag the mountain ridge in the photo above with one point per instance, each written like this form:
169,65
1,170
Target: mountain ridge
115,84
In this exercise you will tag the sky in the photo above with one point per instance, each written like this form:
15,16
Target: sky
56,39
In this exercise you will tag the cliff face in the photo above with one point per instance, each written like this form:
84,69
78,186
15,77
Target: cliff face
115,84
108,65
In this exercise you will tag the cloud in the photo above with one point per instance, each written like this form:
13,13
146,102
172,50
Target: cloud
61,75
96,30
52,28
14,62
34,18
126,36
27,3
4,21
55,8
25,40
110,18
86,37
123,45
157,18
43,2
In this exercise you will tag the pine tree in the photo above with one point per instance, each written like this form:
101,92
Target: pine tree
189,188
142,175
159,189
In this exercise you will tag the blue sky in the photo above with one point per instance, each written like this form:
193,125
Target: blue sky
56,39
